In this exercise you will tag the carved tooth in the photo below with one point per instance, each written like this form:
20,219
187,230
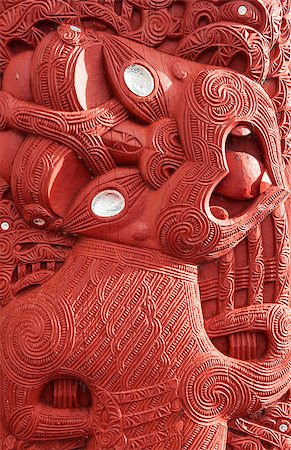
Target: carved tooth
51,265
265,182
36,267
21,271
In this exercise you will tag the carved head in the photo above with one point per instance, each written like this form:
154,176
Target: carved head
172,145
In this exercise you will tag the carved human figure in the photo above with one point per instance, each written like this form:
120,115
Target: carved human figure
145,242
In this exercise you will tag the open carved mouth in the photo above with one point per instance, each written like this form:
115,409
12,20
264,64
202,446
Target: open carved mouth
248,174
67,393
37,262
28,275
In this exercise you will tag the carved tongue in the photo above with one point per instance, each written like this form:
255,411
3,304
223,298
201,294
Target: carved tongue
247,177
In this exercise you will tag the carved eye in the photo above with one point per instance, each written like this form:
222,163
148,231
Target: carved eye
242,10
108,203
139,80
5,225
39,222
283,427
75,29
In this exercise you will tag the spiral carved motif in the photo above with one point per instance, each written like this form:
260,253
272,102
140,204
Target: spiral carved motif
70,35
156,27
221,97
36,338
186,232
213,390
200,9
279,328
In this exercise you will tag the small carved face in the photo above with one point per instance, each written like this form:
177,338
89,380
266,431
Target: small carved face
29,256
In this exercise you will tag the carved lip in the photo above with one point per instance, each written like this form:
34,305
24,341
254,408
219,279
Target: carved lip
233,230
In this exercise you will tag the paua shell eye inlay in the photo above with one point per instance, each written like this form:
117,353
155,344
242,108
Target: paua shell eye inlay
139,80
242,10
4,226
39,222
108,203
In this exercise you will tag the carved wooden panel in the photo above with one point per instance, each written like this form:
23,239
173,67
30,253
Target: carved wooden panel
144,204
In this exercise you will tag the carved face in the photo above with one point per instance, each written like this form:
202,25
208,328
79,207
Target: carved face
159,133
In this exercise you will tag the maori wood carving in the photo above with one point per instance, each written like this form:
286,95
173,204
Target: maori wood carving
145,279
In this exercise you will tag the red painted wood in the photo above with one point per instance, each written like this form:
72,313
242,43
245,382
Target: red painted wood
145,277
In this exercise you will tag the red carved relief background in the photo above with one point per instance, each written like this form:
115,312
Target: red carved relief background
144,201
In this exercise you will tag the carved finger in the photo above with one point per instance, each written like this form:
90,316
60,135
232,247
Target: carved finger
269,318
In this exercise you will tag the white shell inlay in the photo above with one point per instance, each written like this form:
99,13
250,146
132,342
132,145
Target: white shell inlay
242,10
108,203
139,80
76,29
283,427
39,222
5,226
